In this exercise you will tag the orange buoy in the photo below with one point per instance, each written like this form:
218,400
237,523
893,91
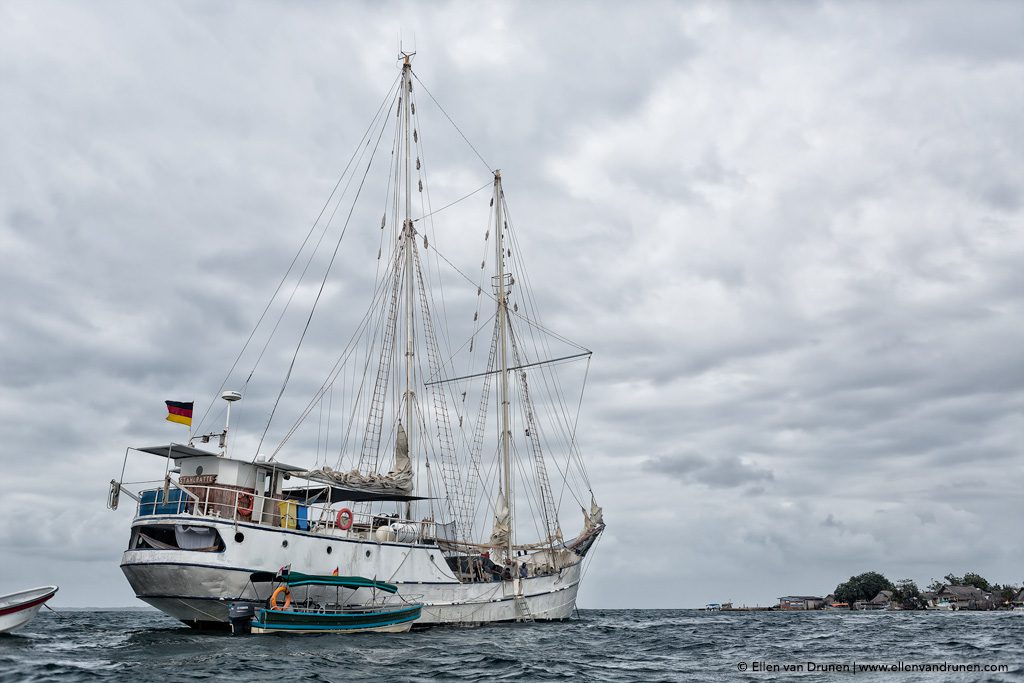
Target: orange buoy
287,598
245,502
344,519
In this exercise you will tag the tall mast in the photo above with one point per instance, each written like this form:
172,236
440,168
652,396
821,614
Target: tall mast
506,433
410,284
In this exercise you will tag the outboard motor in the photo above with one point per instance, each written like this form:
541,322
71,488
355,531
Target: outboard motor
240,615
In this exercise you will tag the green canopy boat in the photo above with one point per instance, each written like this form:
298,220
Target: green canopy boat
314,611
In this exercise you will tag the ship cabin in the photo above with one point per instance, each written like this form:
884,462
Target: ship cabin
267,493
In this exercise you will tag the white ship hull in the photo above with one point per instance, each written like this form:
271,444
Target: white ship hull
197,586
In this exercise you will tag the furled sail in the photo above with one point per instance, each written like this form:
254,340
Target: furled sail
502,523
594,518
399,479
403,465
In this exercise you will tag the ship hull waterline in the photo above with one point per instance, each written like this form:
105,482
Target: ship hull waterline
196,587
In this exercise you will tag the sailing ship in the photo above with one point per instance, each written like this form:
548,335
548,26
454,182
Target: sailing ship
438,490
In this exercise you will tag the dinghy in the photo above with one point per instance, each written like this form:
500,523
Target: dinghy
17,609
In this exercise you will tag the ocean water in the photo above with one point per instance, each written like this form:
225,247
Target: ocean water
603,645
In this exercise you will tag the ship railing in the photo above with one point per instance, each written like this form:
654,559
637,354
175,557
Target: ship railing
169,497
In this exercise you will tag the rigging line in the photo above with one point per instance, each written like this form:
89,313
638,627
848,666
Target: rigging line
574,448
536,450
590,556
516,314
572,442
427,90
514,367
538,326
327,436
564,418
528,288
309,262
434,268
323,284
340,363
533,303
464,276
350,348
579,405
532,495
309,234
301,277
482,325
488,480
319,426
392,173
448,206
421,153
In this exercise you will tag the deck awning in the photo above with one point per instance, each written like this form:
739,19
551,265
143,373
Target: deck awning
297,579
319,494
177,451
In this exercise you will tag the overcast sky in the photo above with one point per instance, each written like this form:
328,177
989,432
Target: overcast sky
791,233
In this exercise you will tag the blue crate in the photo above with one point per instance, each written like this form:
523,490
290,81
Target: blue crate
153,502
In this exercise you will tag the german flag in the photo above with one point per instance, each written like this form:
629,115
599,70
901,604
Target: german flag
179,412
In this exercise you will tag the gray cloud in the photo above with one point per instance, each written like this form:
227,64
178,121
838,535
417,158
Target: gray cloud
790,233
723,472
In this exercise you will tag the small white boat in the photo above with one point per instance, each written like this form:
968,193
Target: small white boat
17,609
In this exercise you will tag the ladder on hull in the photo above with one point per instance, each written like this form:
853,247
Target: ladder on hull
522,609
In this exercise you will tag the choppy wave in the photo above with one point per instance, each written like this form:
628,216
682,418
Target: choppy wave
603,645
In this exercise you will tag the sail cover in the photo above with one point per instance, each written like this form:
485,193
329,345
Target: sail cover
399,479
502,523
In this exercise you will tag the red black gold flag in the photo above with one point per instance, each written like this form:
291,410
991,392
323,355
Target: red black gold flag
179,412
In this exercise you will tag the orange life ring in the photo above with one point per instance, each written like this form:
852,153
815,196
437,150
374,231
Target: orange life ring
287,598
344,525
245,502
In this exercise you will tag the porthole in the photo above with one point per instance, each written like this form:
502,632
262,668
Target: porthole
239,537
329,550
284,543
199,470
367,553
